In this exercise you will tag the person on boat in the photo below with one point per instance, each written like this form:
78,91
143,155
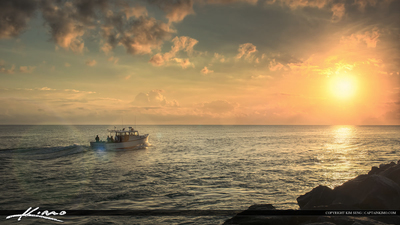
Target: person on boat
97,138
116,138
112,139
108,138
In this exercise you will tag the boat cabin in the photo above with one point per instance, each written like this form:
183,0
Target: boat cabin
124,135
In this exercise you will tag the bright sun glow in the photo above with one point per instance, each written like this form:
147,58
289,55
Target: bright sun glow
343,87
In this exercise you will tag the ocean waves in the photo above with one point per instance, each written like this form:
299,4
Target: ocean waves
44,153
188,167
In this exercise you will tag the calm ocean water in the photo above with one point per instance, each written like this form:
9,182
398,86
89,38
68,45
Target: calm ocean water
186,167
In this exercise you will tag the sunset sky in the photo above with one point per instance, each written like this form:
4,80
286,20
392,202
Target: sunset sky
261,62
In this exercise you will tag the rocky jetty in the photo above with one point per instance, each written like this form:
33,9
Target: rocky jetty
377,190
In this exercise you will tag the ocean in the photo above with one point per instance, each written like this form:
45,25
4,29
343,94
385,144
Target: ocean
184,168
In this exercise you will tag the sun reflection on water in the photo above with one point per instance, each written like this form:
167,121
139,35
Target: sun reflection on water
343,134
341,153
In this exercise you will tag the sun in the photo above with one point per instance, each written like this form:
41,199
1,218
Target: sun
343,87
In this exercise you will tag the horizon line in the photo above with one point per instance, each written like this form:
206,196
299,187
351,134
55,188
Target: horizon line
200,125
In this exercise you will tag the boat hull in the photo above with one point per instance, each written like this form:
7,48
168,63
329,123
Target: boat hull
140,141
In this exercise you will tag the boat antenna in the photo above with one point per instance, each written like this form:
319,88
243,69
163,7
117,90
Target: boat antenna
135,121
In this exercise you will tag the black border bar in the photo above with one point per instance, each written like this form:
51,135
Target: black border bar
145,213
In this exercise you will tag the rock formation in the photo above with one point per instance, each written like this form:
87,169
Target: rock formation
377,190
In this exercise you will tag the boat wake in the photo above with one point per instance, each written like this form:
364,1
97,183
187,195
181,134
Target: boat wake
39,153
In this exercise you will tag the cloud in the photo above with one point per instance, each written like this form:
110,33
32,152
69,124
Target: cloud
15,15
45,89
183,62
205,70
338,12
134,30
144,35
107,47
176,10
370,38
136,12
305,67
69,21
364,3
340,7
8,71
285,94
274,66
66,25
157,60
219,106
245,50
78,91
218,57
294,4
142,98
113,59
120,25
26,69
52,89
11,70
154,98
91,62
253,2
256,77
180,43
67,65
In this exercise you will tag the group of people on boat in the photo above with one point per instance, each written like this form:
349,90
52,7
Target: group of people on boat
110,139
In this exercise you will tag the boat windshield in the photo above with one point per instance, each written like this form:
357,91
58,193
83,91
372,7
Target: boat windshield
128,133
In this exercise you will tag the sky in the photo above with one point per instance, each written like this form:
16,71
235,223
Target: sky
200,62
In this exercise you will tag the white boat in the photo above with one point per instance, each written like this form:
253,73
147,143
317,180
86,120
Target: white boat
122,139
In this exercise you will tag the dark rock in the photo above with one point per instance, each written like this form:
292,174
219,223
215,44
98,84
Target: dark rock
319,196
392,173
369,192
374,170
387,167
384,166
262,207
380,189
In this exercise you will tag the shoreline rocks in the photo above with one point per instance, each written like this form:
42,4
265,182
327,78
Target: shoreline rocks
377,190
